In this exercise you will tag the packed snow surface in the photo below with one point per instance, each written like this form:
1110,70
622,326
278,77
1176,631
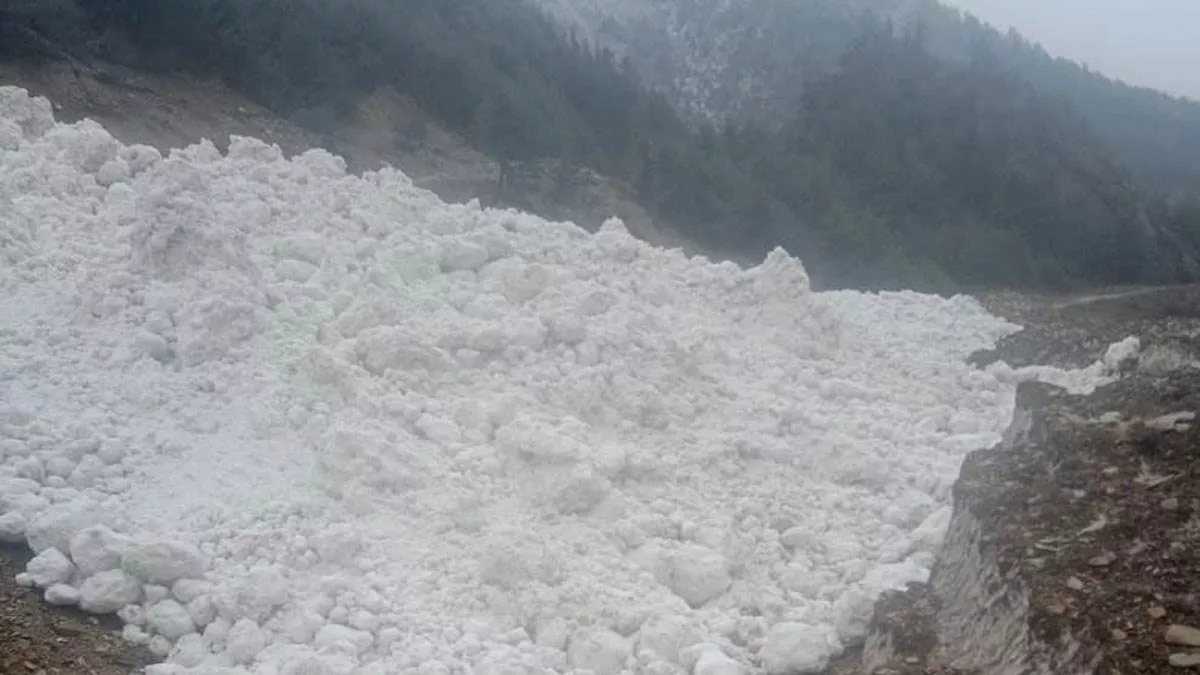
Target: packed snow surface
284,420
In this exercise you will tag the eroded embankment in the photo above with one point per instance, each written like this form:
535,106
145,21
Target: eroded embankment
1073,544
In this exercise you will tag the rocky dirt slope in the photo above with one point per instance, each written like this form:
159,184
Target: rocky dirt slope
1074,545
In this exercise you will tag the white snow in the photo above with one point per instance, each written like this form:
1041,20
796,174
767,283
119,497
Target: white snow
792,647
48,568
285,420
62,594
1080,381
108,591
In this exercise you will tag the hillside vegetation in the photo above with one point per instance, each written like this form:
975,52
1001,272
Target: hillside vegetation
896,168
752,61
1156,135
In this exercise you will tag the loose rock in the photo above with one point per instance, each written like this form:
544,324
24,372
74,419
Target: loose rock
1178,634
1185,660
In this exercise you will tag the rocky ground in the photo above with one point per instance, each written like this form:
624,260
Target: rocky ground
1075,545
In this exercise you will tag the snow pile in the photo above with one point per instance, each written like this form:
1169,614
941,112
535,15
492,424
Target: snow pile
1082,381
287,421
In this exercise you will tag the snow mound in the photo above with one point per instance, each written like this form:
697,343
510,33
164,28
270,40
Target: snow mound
285,420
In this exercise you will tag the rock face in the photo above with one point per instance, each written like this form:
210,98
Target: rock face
1074,544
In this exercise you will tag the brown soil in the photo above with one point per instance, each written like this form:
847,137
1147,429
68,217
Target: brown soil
39,639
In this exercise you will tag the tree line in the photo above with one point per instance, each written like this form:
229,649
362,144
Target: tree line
899,169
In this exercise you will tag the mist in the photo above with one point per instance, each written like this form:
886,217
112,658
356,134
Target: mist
1150,43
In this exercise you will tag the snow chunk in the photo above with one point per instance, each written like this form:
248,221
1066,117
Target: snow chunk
115,170
163,561
49,568
796,648
55,526
32,114
132,614
599,650
86,472
189,651
96,549
13,448
295,270
187,590
307,247
139,157
10,135
715,662
12,528
155,592
244,641
387,348
333,636
457,255
169,619
62,594
202,610
668,636
108,591
567,328
1119,354
699,574
781,277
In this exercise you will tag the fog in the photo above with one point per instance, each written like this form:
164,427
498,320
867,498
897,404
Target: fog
1153,43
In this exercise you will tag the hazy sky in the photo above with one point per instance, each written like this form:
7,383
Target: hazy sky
1153,43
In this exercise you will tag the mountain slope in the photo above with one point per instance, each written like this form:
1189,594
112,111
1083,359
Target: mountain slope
719,60
908,165
1156,135
967,161
749,62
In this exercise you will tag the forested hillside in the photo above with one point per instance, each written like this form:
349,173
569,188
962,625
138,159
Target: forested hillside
1156,135
718,61
969,168
751,61
897,167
